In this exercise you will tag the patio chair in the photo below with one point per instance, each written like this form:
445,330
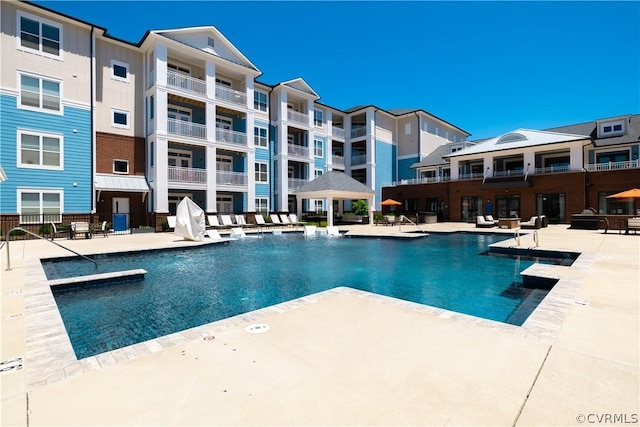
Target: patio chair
237,233
227,221
481,222
389,219
260,222
333,231
276,220
309,231
57,233
242,222
293,218
534,222
544,221
101,229
213,221
284,219
80,227
490,218
213,234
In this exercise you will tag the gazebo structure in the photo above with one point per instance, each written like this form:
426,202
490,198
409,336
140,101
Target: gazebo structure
335,185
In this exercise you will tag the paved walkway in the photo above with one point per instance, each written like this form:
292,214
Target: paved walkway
345,357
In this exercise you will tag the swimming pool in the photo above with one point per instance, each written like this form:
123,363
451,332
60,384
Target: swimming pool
189,287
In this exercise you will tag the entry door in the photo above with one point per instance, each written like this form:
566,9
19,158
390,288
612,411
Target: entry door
224,204
120,213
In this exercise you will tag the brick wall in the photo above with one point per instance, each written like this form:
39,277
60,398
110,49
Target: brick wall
110,147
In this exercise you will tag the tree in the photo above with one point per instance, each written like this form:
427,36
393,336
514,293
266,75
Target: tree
360,207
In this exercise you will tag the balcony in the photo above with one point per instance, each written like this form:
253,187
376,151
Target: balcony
231,95
185,82
231,137
552,169
502,174
423,180
298,150
476,175
237,179
339,132
297,117
295,183
337,160
358,131
594,167
184,128
187,175
359,159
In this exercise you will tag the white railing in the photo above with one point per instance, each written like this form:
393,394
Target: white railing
631,164
477,175
298,150
180,127
358,131
231,95
500,174
295,183
231,178
335,131
552,169
186,82
424,180
298,117
231,137
337,160
187,175
151,78
360,159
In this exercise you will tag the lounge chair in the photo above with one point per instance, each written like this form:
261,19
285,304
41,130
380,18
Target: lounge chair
227,221
309,231
237,233
171,220
491,219
544,221
293,218
276,220
213,221
534,222
284,219
333,231
260,222
481,222
242,222
214,234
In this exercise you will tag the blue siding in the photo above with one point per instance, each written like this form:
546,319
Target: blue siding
385,165
404,170
76,151
262,190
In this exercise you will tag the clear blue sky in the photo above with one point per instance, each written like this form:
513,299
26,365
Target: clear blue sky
486,67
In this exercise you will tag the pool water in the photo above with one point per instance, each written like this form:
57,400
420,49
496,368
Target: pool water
191,287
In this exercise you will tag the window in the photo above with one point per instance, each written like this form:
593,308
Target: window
179,68
262,172
119,70
317,172
151,153
40,206
262,205
612,128
119,118
41,94
319,206
318,148
223,82
152,107
613,206
37,34
260,137
121,166
259,100
613,156
211,42
317,118
37,150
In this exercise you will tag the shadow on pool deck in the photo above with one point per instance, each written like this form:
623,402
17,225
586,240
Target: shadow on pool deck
348,357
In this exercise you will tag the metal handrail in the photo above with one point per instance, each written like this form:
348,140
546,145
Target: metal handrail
402,217
42,238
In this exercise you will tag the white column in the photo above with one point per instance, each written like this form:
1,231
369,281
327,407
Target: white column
347,145
161,64
210,79
455,169
371,149
249,86
283,171
371,201
529,159
329,145
210,162
162,168
310,110
575,158
251,181
487,169
330,211
210,122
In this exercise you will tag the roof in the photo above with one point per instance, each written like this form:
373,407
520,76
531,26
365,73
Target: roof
335,184
591,129
435,158
519,138
127,183
300,85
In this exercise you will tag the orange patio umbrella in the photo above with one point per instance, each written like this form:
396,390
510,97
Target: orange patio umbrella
390,202
634,193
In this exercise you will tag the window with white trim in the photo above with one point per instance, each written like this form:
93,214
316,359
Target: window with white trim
39,206
319,206
259,100
262,205
39,150
39,35
260,137
119,71
262,172
318,116
119,118
39,94
318,148
614,128
318,172
121,166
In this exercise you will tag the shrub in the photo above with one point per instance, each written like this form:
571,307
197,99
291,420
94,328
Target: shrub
360,207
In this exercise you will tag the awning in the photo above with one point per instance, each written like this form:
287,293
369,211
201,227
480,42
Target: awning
126,183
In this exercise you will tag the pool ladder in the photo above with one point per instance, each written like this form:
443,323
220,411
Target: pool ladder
402,217
41,238
536,238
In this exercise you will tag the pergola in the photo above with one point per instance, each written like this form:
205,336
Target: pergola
335,185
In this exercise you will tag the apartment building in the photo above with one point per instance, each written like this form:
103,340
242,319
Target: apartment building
555,172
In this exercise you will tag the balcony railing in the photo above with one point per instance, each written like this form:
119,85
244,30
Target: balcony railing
231,137
631,164
295,183
358,131
336,131
552,169
231,178
501,174
424,180
477,175
187,175
298,117
183,128
298,150
359,159
337,160
185,82
231,95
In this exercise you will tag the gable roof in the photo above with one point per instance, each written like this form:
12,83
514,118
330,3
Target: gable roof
519,138
300,85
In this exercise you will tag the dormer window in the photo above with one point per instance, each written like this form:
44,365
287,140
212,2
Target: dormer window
614,128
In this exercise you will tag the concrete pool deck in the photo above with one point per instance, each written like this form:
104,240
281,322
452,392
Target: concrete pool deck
345,357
